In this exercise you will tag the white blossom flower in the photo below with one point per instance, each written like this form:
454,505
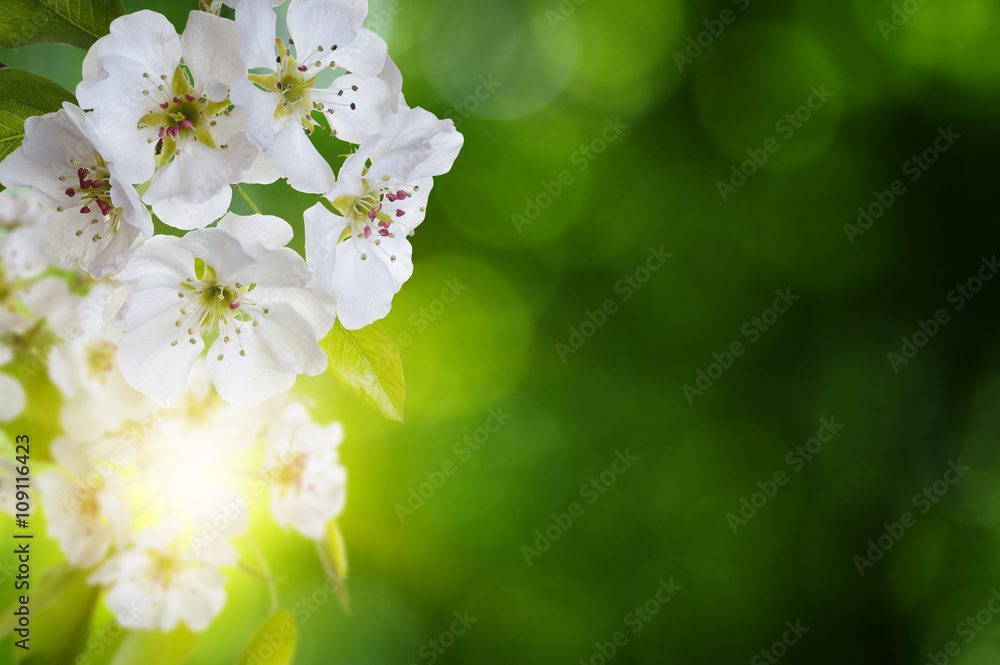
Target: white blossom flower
85,507
166,579
325,34
306,481
97,400
95,216
161,103
238,280
364,257
12,396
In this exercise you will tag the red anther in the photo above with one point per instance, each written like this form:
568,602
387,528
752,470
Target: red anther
70,192
368,231
105,207
162,132
383,232
400,212
234,305
390,196
85,210
302,68
400,194
189,98
187,124
165,105
97,183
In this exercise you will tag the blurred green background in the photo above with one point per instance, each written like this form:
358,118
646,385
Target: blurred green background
536,86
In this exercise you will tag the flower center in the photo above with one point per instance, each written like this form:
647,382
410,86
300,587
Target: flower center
183,115
100,360
92,189
363,212
206,303
295,80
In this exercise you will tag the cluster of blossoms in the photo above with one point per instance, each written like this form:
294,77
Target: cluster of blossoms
147,495
162,442
183,118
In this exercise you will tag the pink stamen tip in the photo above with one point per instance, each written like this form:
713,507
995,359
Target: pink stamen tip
383,224
234,305
97,183
400,194
105,207
372,214
177,100
165,105
390,196
162,132
85,210
302,68
187,124
189,98
383,232
70,192
86,184
400,212
368,231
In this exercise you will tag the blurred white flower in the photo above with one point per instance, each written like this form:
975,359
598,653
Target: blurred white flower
168,581
85,505
303,472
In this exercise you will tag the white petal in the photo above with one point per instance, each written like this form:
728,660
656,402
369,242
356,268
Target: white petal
149,362
145,37
46,297
358,105
255,21
365,55
185,215
258,107
324,23
211,51
25,252
219,249
365,287
323,230
162,254
12,398
296,159
272,232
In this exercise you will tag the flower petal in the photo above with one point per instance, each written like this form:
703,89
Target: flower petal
211,51
256,21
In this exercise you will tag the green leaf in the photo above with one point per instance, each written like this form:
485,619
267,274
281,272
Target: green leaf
333,554
42,593
22,95
60,629
74,22
273,643
366,364
155,647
